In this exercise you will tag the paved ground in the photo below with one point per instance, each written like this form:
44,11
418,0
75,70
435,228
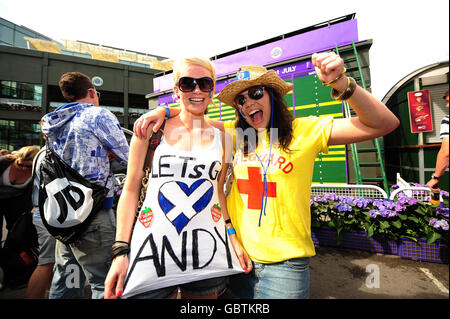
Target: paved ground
351,274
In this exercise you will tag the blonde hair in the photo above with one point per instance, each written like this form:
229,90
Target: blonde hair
203,62
26,153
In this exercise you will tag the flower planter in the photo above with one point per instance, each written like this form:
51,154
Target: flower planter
423,251
405,248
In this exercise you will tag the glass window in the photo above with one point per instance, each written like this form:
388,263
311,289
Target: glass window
16,134
19,41
6,35
20,96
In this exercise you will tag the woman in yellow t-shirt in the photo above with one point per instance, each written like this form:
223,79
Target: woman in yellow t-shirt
273,164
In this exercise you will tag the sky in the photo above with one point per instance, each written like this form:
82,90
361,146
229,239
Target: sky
407,35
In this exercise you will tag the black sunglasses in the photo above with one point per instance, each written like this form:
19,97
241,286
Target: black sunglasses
188,84
255,93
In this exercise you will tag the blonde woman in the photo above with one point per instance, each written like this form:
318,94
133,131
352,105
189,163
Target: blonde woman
15,181
179,240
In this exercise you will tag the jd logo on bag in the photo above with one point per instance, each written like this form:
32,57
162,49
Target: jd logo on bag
67,201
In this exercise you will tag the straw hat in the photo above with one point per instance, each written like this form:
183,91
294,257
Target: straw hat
252,75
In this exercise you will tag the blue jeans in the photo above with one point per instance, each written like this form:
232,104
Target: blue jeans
87,258
46,241
284,280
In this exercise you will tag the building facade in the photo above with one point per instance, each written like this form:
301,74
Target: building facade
413,155
31,66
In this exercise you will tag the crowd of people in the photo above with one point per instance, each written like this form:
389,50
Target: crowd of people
177,232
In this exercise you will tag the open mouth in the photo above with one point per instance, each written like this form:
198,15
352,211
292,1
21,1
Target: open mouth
256,116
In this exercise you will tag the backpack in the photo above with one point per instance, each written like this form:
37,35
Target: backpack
67,201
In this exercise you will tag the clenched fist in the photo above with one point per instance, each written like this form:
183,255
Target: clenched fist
328,65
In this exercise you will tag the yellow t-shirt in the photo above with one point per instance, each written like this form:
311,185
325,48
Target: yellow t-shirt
285,230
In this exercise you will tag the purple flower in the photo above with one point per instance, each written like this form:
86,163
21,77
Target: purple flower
436,223
442,211
374,213
444,193
389,204
412,201
311,202
317,198
386,212
345,199
361,202
378,203
399,207
330,196
343,207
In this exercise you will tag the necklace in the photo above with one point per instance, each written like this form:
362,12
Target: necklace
265,169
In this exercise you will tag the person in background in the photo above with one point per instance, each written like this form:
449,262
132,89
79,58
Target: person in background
41,279
271,214
83,134
4,152
442,157
15,184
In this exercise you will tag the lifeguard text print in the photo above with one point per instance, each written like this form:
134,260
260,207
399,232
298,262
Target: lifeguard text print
180,234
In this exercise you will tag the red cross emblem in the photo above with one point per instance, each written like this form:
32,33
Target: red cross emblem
253,187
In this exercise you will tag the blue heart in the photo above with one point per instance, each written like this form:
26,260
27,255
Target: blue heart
185,213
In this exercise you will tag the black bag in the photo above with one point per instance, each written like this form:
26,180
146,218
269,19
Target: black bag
19,254
67,201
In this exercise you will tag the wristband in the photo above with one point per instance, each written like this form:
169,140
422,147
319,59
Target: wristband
231,231
167,110
228,221
120,248
123,250
435,177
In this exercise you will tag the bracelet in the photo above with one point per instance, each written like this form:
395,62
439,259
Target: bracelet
347,93
120,251
337,78
231,231
120,248
167,110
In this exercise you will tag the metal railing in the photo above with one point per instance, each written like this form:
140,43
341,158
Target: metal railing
418,192
367,191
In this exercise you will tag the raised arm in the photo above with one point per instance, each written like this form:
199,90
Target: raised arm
373,119
155,118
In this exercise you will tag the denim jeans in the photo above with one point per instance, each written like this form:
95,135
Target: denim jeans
87,258
283,280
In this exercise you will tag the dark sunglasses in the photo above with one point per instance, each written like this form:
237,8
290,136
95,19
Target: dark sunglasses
188,84
255,93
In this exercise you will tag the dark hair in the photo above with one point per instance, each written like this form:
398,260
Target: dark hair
74,86
282,121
